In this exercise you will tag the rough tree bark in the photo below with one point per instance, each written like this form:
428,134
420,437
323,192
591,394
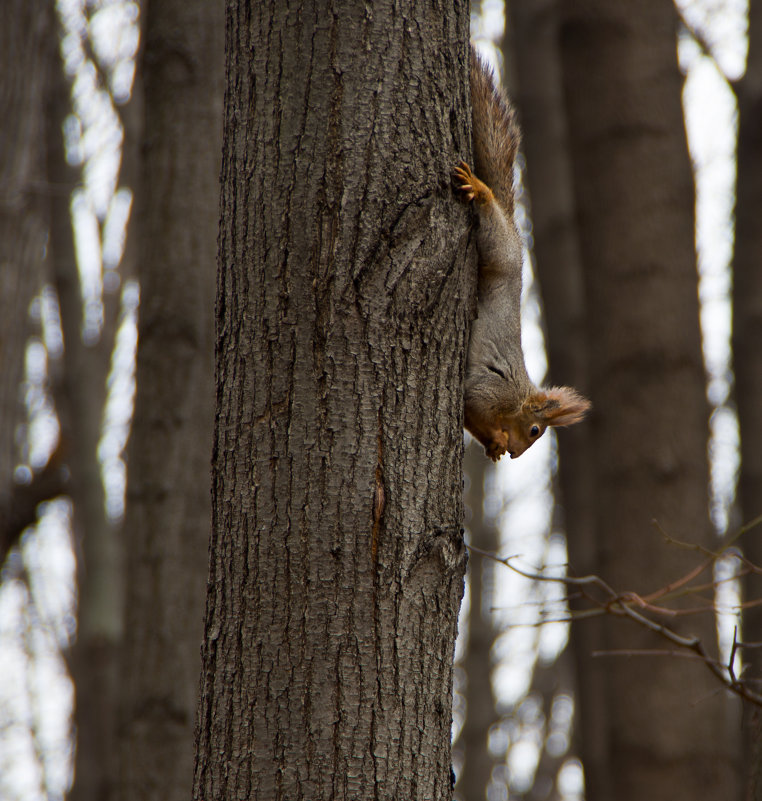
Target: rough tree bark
344,294
168,514
747,357
669,733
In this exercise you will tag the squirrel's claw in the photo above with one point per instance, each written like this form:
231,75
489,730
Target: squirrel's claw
469,186
463,178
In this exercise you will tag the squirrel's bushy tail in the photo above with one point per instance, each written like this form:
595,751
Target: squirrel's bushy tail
495,133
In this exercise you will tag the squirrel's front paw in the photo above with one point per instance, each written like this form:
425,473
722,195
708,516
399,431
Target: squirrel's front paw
497,446
469,186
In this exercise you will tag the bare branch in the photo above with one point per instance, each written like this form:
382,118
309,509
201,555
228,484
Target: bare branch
635,607
704,45
697,35
20,508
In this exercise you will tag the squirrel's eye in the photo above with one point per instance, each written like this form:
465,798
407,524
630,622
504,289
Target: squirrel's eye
534,431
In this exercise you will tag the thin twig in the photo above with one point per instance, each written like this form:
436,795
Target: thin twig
623,605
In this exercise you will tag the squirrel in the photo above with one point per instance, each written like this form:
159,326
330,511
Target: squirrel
504,410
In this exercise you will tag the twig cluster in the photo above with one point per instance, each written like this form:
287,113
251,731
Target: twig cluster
645,610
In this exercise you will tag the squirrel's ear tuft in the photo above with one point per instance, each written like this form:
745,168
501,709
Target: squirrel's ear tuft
562,406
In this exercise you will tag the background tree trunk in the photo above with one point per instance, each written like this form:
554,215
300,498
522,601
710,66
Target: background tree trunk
477,663
168,510
747,357
24,49
670,734
337,557
80,394
531,46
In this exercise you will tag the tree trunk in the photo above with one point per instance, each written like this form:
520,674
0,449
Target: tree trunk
480,702
345,277
80,394
539,97
168,512
24,48
669,733
747,357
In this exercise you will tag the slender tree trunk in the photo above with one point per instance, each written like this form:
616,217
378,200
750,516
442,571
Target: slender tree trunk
669,733
337,558
169,511
24,48
548,683
480,702
747,357
80,394
532,45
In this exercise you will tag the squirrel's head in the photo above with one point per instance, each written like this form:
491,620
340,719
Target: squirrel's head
555,406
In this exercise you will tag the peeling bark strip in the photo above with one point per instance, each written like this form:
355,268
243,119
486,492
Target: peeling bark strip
343,305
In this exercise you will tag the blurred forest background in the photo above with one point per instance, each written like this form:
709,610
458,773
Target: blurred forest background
642,246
